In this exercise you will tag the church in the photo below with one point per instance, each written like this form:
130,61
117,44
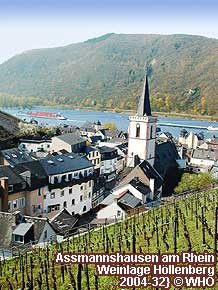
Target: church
150,161
153,165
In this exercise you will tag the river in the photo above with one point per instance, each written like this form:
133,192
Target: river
79,117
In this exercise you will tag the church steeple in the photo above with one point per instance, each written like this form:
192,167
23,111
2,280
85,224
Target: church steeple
142,131
144,107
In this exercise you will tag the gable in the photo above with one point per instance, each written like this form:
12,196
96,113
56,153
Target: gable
135,172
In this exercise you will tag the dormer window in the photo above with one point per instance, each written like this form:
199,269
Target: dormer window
10,188
137,130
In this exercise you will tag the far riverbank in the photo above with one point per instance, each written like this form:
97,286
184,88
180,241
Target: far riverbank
77,117
132,112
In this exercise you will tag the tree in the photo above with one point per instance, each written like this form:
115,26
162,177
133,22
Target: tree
194,181
110,126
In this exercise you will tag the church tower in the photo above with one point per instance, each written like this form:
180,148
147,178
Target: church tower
142,131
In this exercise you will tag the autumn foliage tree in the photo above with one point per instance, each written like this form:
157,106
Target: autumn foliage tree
194,182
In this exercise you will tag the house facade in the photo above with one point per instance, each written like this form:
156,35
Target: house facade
35,145
71,180
108,162
70,142
202,160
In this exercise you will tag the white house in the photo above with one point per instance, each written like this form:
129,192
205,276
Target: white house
108,162
93,154
191,140
112,211
35,145
71,180
122,148
120,206
71,142
133,186
214,170
204,157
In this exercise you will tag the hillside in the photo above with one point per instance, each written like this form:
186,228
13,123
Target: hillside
9,130
186,225
108,72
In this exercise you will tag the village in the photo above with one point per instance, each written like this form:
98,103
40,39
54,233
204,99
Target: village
53,187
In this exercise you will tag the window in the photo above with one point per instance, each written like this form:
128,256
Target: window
73,213
90,183
44,196
14,204
18,238
9,205
84,208
45,234
81,187
52,195
70,190
21,202
39,192
10,188
62,193
118,213
65,204
73,201
89,194
151,131
53,207
137,130
81,198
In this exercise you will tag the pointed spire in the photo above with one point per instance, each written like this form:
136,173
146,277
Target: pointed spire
144,107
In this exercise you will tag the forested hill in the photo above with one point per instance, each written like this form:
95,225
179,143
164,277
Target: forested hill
108,71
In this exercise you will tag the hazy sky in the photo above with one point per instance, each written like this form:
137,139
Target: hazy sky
27,24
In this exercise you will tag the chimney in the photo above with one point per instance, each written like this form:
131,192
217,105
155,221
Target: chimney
4,185
17,216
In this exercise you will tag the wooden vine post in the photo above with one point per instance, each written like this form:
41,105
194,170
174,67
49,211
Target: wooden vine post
215,229
203,227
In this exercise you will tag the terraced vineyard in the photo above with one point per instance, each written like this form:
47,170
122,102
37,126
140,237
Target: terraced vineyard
187,224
